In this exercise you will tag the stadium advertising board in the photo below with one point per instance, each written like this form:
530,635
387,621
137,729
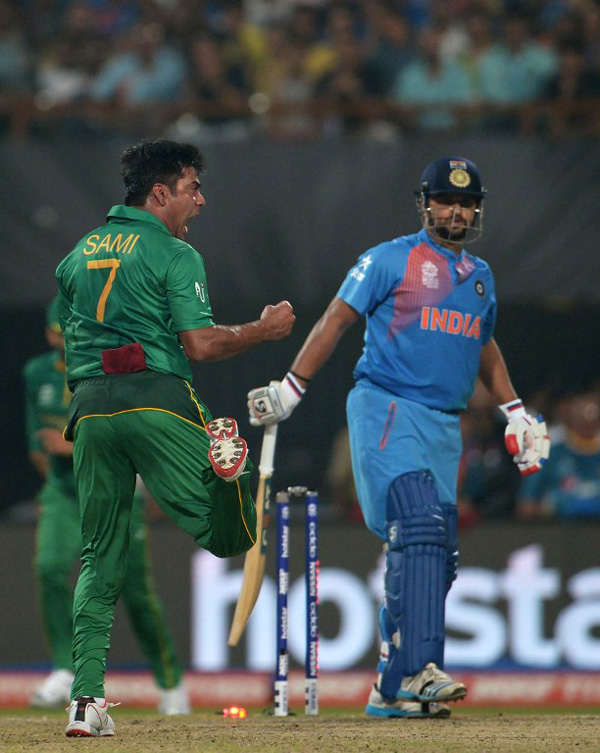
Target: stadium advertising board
524,598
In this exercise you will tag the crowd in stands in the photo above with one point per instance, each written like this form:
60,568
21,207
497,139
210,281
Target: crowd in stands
567,487
489,484
289,70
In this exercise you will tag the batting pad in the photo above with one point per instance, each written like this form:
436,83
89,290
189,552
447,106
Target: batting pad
416,576
451,513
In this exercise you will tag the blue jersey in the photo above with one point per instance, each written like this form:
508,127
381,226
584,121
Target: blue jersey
428,312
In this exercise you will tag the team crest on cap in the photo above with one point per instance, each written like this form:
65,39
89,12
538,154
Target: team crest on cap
459,178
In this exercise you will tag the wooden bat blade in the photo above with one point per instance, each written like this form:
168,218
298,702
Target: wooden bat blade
254,564
254,568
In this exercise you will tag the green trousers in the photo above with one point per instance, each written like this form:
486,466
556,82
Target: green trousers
58,546
170,453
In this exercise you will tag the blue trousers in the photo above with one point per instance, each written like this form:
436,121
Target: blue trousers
390,436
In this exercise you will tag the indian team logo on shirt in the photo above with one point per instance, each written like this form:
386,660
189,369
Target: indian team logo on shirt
200,291
479,288
429,275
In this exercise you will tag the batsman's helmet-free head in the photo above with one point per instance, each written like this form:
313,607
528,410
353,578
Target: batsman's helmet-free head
451,176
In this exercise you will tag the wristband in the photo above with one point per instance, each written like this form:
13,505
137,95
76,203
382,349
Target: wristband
513,410
297,389
299,376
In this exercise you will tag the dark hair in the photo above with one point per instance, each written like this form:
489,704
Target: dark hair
150,162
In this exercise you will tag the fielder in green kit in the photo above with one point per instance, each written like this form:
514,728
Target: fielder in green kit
58,543
134,306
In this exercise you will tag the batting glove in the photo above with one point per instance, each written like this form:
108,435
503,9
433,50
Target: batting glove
269,405
526,437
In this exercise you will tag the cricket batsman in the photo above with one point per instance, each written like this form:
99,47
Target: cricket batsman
430,311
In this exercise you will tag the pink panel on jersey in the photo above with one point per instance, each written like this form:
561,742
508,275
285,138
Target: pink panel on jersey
427,281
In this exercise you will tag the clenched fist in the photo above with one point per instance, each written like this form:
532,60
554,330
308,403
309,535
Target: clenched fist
278,320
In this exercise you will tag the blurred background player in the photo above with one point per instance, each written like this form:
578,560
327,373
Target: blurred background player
568,486
59,542
430,312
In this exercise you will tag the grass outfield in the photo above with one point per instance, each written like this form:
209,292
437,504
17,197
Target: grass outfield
468,730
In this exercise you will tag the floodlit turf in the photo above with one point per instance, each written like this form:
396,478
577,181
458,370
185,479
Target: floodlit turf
333,731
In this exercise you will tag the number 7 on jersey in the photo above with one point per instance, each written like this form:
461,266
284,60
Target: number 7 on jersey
113,264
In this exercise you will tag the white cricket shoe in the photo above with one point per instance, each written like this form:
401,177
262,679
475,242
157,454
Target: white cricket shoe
174,701
431,684
87,718
54,692
377,705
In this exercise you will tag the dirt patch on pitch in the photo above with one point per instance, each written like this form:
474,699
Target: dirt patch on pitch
206,733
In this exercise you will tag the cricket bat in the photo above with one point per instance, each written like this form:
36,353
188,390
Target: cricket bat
254,564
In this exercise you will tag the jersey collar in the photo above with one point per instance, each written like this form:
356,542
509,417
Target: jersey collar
442,249
122,212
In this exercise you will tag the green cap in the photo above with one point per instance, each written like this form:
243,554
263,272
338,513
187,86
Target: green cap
52,316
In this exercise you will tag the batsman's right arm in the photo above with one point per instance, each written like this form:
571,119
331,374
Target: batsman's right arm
275,402
323,339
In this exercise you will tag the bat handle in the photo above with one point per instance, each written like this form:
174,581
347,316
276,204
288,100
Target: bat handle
267,453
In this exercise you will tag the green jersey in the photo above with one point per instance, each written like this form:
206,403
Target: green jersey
47,402
131,281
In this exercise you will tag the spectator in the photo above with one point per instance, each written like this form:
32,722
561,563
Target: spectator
304,24
480,44
514,74
243,45
453,36
216,94
143,71
291,96
68,63
15,70
277,36
430,90
574,96
349,94
568,486
391,46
